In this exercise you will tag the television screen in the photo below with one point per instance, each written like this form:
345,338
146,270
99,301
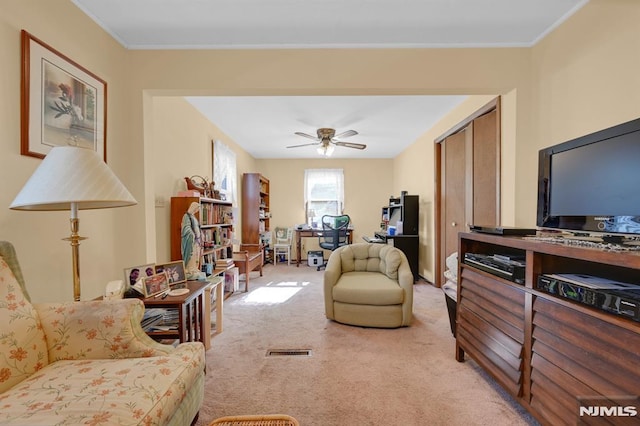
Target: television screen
590,184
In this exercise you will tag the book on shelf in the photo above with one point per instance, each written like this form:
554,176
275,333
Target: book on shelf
215,214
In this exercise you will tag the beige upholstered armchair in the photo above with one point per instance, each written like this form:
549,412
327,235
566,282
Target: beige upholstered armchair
369,285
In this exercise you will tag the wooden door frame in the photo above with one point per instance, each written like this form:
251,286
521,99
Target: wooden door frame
438,180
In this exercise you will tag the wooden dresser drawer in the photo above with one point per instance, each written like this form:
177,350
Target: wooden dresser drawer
491,326
576,354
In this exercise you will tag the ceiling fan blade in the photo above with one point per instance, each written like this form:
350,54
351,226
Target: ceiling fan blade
346,134
351,145
304,144
304,135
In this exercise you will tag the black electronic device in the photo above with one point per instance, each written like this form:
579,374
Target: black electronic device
502,230
509,267
616,297
590,183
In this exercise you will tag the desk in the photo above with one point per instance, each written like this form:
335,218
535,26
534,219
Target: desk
190,308
308,233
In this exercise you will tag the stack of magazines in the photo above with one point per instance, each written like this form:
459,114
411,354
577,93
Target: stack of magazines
151,318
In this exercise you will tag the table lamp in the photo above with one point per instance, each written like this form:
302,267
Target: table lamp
72,178
312,216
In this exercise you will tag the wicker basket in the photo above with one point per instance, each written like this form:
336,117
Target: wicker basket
259,420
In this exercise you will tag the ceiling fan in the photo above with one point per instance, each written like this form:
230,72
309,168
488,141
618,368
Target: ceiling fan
327,140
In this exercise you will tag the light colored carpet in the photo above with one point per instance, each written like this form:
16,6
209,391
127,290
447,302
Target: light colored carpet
355,376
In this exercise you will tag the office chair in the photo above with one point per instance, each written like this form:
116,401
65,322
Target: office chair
334,233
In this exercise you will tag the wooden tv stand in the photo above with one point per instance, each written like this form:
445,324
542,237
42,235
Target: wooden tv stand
545,350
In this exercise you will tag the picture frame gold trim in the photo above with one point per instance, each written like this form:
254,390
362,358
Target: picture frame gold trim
61,102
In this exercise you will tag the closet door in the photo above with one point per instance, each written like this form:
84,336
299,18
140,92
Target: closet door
467,180
455,154
486,171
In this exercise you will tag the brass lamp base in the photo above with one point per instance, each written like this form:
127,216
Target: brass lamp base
74,240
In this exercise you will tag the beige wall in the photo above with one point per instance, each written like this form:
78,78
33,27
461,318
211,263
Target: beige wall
581,78
182,147
368,185
585,78
114,236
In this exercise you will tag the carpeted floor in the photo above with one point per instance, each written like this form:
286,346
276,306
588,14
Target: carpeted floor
355,376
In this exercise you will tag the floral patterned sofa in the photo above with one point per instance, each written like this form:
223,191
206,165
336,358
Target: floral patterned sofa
89,362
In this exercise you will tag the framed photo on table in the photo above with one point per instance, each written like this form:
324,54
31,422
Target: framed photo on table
174,270
155,284
136,273
61,102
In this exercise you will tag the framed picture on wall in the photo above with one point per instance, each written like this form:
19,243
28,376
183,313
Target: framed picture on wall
61,102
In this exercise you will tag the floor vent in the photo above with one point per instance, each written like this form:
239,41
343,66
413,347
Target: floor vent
289,352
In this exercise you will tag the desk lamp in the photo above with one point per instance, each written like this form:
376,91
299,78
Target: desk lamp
312,216
72,178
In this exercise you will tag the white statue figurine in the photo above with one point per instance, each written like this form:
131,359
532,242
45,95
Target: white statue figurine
191,246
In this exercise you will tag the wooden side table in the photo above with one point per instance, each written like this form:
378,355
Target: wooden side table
216,286
190,308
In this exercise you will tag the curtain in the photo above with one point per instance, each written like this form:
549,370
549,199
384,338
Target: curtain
224,171
324,187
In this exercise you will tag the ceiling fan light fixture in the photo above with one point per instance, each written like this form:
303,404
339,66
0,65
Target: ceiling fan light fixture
326,150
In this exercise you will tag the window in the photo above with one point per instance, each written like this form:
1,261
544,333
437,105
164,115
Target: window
224,171
323,193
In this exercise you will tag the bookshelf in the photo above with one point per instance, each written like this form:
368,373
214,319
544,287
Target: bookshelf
255,209
216,225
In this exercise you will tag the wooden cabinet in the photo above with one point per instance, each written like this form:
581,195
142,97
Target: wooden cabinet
216,224
255,209
403,209
548,352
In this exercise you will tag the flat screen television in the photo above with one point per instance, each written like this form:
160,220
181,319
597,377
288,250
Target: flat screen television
591,184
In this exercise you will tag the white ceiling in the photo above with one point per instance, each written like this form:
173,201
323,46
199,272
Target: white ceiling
387,124
265,125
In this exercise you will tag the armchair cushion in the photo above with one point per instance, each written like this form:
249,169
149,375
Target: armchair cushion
105,391
371,258
23,349
365,288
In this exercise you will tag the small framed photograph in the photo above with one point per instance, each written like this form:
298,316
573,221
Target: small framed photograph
134,273
174,270
155,284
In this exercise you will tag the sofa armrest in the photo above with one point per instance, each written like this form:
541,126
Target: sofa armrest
97,330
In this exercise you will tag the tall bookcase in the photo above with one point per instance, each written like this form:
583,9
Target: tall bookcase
216,224
255,208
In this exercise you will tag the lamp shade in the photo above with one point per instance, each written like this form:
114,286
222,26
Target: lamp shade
71,175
